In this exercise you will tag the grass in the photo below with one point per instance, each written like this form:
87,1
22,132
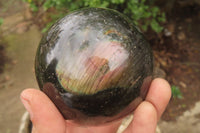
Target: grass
176,92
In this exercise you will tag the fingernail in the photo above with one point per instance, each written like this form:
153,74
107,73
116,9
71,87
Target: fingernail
25,100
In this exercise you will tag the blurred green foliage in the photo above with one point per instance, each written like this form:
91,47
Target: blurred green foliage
1,21
143,13
176,93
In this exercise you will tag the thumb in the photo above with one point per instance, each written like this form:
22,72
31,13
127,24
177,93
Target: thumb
43,113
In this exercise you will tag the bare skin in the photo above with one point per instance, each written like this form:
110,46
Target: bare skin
47,119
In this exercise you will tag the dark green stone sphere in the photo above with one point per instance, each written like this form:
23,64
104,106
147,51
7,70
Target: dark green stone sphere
94,65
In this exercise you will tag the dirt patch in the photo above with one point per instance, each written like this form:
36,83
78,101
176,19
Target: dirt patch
2,54
177,52
9,7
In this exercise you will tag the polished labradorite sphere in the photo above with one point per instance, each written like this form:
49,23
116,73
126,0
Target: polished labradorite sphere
94,65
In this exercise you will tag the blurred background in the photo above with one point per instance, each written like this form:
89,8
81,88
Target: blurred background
172,27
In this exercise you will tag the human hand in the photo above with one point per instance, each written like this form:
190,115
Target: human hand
47,119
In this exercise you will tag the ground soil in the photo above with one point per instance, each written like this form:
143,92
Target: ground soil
178,55
7,9
2,55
